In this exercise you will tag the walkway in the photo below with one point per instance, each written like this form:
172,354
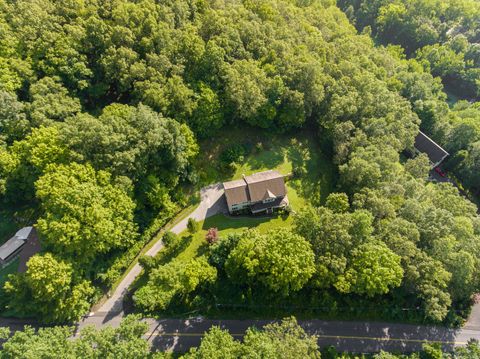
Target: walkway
211,203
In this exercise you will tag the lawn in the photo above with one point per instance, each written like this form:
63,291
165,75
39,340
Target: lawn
313,179
265,151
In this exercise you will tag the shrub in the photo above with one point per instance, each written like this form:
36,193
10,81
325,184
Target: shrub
220,250
233,153
170,239
212,236
193,226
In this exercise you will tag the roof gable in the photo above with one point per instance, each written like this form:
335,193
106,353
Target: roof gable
425,144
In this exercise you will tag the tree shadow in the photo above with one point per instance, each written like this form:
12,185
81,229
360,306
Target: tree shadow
165,256
222,222
313,172
266,159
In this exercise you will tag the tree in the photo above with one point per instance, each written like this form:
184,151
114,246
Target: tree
13,122
207,117
216,343
278,340
192,225
175,279
50,290
280,260
51,102
132,141
126,341
28,160
85,215
170,239
374,270
419,167
212,235
337,202
281,340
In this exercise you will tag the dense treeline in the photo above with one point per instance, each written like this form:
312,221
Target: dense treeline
442,34
395,233
285,339
102,103
440,37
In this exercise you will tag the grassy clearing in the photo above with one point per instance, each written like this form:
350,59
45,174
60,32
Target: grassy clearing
268,152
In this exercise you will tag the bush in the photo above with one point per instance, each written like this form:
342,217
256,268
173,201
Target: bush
170,239
147,262
193,226
220,250
233,153
212,236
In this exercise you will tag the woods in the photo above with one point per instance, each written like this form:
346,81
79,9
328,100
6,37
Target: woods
103,106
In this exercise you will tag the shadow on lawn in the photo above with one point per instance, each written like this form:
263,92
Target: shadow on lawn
267,159
315,173
222,222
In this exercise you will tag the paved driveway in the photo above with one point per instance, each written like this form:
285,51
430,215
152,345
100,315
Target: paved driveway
212,201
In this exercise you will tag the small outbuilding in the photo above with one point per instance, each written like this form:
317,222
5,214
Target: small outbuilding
435,153
12,248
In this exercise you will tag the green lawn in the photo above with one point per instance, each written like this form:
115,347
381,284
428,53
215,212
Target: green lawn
276,152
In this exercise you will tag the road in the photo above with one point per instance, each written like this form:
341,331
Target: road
356,337
211,203
182,334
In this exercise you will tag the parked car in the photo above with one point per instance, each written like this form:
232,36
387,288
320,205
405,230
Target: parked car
440,172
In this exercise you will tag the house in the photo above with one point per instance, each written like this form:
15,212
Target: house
424,144
12,248
262,192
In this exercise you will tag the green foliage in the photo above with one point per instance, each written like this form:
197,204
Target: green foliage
123,342
84,213
279,340
374,270
279,260
175,279
170,239
337,202
25,161
50,290
192,225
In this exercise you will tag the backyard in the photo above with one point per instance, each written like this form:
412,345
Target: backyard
312,181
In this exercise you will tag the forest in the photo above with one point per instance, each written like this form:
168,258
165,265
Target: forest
103,105
442,38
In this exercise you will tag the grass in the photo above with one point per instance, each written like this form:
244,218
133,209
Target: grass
283,153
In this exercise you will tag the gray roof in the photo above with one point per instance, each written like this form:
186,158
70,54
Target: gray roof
15,243
10,247
425,144
24,232
266,184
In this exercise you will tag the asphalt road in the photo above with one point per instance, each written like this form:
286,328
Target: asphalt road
359,337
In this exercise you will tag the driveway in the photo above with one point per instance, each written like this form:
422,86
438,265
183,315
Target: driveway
360,337
212,202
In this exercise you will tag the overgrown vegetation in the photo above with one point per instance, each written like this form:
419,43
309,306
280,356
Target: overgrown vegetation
441,38
102,109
